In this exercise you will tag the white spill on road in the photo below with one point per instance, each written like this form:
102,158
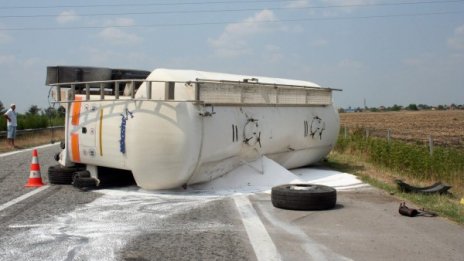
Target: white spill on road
263,174
100,229
96,231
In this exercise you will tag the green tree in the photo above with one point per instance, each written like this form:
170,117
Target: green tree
33,110
55,116
423,107
61,112
2,119
396,107
412,107
51,112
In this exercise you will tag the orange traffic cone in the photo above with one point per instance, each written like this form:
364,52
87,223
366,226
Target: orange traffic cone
35,180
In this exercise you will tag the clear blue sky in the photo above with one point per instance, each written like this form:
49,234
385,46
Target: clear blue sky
387,52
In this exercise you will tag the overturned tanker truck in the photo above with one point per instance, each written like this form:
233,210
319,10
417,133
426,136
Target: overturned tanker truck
173,128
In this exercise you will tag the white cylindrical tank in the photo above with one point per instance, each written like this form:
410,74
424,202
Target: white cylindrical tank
175,143
163,143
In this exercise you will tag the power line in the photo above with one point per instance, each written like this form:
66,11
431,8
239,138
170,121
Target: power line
223,2
229,22
147,4
227,10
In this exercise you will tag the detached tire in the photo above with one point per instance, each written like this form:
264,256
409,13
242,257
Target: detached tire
303,197
60,175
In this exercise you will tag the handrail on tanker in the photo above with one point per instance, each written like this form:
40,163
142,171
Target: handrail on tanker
254,81
104,85
72,86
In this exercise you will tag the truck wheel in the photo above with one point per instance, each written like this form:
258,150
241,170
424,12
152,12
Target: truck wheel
303,197
60,175
83,180
84,183
80,174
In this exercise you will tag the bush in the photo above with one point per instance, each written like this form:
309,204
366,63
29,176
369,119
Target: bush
411,160
32,121
412,107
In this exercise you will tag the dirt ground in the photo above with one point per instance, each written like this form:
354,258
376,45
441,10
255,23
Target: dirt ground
32,139
445,127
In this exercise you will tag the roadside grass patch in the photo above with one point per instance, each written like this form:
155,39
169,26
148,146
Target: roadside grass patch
383,178
408,160
33,139
444,205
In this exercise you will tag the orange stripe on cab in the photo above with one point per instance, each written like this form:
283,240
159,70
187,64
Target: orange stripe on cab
76,110
75,147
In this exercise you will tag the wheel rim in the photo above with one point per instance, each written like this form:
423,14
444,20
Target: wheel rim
302,187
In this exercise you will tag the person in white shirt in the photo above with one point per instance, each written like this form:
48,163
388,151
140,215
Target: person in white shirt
11,123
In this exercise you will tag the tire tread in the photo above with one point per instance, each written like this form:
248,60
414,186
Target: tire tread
320,198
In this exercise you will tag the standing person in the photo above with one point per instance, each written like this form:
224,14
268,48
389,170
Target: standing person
11,123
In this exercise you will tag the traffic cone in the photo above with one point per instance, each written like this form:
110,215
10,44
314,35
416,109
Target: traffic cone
35,180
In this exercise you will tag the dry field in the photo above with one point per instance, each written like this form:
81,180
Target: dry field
33,139
445,127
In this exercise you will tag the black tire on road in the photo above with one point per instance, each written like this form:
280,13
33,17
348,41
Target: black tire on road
82,179
81,174
303,197
60,175
84,183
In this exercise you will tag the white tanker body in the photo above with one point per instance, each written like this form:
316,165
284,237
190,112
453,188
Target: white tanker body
183,127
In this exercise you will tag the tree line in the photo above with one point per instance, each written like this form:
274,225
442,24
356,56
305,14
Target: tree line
410,107
35,117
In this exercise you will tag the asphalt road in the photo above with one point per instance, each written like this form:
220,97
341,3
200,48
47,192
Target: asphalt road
124,223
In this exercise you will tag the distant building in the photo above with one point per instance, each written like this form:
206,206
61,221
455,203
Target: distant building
349,109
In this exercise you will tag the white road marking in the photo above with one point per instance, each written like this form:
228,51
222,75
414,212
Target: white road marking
28,226
23,197
259,238
29,149
313,249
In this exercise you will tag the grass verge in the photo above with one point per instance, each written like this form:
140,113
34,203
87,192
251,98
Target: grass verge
409,160
444,205
33,140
